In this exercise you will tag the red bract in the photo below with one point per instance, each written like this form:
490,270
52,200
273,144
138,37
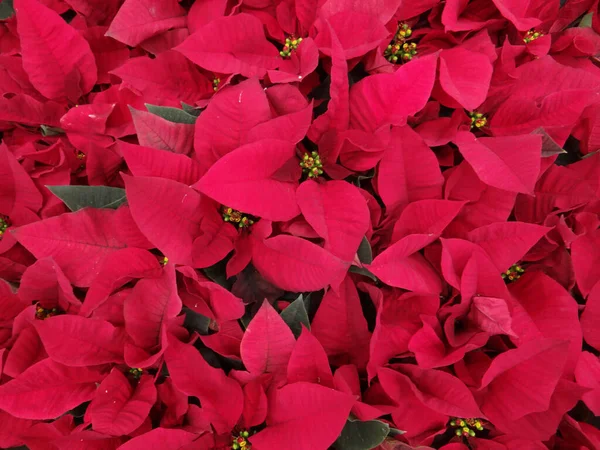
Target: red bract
304,224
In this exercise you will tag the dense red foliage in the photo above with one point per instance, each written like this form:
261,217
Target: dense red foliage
299,224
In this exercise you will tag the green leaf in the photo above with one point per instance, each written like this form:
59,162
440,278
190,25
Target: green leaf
358,435
191,109
6,9
78,197
365,254
51,131
171,114
295,316
363,271
586,21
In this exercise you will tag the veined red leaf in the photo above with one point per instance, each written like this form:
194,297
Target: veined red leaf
297,265
338,213
232,44
80,242
47,390
118,408
267,343
57,59
257,178
138,20
79,342
308,361
17,187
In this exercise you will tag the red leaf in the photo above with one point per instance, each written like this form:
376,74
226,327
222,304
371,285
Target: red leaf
511,163
57,59
28,111
80,242
457,67
297,265
152,303
426,217
17,187
149,162
163,438
338,213
409,170
546,309
585,252
308,361
401,266
507,242
390,98
517,13
47,390
118,409
587,375
221,397
247,180
78,342
341,327
138,20
267,342
225,123
309,415
156,132
591,317
167,80
491,315
123,265
233,44
530,373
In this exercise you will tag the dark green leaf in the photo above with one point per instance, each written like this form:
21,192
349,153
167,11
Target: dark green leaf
358,435
51,131
365,254
6,9
217,273
195,322
78,197
191,109
363,271
295,316
171,114
549,145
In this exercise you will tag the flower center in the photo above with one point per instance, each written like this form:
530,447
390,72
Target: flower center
4,224
478,120
532,35
291,44
240,442
466,427
399,49
236,217
42,313
311,164
216,82
135,372
513,273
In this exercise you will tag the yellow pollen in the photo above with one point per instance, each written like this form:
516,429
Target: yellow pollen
532,35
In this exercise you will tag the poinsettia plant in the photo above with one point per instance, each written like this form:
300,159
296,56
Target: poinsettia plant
314,225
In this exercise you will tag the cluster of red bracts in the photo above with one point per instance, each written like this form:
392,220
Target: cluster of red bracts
261,225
